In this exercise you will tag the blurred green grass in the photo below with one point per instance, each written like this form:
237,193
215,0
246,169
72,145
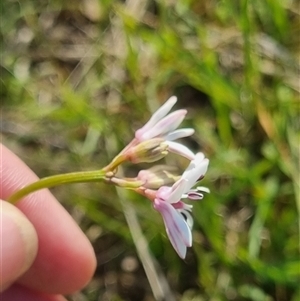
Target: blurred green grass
77,78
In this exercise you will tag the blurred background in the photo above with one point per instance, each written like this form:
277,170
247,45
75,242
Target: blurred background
79,77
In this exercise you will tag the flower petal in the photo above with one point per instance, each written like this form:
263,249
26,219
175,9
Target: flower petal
179,134
203,189
163,193
188,217
198,158
165,125
156,117
180,149
195,170
176,192
194,195
163,110
177,228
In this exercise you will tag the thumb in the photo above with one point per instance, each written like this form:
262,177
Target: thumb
18,244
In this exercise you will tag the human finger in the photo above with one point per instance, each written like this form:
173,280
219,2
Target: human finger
18,245
65,261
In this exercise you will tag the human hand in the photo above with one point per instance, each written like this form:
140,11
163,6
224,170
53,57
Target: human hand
43,253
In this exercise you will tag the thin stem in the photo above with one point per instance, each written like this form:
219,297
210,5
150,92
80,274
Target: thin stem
119,159
48,182
128,183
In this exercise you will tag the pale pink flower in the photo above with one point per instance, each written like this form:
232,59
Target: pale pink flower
164,125
176,214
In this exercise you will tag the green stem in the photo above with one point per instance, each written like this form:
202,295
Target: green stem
112,166
74,177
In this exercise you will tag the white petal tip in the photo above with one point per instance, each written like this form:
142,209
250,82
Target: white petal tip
172,99
182,255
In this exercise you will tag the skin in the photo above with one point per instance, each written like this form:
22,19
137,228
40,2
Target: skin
43,252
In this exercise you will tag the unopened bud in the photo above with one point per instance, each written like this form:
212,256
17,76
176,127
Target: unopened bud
156,177
148,151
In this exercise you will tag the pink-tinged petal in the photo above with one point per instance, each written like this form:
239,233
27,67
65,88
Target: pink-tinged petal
177,228
194,195
163,110
163,193
171,121
180,149
181,133
165,125
157,116
182,205
177,190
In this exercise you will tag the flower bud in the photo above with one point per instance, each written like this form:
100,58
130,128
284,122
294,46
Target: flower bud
156,177
147,151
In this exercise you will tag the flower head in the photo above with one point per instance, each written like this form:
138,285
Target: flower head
147,151
176,214
164,125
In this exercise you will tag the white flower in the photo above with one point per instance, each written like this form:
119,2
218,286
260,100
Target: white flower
176,214
164,125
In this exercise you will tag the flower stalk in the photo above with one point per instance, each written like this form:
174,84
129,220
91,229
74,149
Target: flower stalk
52,181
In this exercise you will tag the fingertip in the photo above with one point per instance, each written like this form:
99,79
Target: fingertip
19,244
66,260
